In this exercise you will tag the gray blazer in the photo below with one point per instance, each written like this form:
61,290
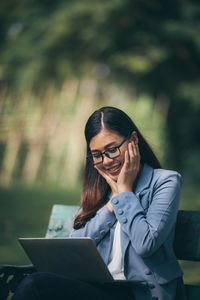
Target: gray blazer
147,217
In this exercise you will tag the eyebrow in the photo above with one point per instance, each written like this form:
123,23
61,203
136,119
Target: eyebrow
105,147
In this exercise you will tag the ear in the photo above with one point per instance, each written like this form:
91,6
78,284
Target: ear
134,137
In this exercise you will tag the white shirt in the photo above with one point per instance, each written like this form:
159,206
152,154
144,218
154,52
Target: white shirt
115,262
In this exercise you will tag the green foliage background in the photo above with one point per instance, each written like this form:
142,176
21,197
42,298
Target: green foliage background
149,47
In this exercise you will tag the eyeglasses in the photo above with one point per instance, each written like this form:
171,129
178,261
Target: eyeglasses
98,157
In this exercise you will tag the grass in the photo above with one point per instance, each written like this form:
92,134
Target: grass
25,212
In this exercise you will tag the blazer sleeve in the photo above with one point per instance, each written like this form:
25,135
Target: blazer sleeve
147,230
97,227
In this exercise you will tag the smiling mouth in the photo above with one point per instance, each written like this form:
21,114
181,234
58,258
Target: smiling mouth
114,170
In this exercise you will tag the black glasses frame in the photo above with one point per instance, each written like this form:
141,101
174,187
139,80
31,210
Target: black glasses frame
89,156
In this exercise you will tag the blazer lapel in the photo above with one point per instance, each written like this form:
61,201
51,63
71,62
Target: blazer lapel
144,179
143,183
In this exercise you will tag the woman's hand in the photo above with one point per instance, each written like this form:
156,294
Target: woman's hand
128,173
130,169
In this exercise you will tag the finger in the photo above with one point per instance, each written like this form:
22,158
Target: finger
109,181
137,150
134,156
104,175
134,149
132,153
100,171
137,155
126,158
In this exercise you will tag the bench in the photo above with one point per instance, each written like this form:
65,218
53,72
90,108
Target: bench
186,245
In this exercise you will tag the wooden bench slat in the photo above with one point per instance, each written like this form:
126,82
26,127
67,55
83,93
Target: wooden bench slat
187,235
192,292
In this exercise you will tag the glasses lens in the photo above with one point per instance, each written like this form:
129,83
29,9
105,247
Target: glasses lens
97,159
112,153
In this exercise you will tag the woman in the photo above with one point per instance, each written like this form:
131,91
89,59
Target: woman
129,209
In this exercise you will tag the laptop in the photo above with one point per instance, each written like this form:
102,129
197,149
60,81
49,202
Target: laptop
77,258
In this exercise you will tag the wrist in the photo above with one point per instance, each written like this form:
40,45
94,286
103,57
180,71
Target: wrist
123,189
109,206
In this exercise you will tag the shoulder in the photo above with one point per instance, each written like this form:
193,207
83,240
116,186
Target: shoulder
151,178
161,176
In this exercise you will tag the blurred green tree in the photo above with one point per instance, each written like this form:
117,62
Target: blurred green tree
151,46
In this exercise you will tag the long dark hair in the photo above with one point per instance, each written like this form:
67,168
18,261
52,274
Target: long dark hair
95,187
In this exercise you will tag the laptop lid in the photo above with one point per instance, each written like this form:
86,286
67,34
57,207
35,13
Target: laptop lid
72,257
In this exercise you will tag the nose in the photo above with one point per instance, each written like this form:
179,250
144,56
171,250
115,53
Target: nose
107,160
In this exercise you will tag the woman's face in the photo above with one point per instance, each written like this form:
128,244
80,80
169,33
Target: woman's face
105,140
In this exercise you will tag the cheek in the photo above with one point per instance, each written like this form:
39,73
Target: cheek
101,167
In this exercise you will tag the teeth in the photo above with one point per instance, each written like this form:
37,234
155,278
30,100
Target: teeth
114,168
